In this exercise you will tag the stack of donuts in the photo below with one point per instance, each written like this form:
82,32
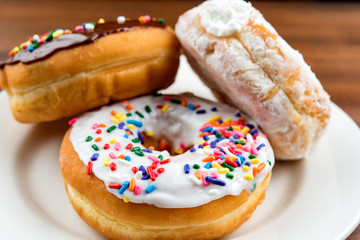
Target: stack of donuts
141,165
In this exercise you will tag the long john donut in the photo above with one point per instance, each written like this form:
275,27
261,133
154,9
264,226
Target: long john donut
126,190
63,73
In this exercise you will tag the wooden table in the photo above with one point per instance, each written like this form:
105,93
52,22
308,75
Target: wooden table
326,33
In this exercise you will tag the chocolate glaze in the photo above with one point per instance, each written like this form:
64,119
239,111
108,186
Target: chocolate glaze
67,41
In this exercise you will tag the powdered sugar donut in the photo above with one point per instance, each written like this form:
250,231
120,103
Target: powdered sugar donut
241,57
220,157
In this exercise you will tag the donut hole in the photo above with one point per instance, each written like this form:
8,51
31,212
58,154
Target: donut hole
163,143
170,131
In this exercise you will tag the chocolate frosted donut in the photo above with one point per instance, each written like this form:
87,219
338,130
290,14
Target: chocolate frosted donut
63,73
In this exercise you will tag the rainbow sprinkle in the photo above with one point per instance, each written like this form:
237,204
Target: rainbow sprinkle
231,145
36,41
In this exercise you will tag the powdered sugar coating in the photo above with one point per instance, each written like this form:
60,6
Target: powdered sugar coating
225,18
259,73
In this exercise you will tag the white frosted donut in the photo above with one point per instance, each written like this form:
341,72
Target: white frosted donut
220,153
241,57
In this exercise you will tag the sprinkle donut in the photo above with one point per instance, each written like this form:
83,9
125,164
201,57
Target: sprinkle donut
203,176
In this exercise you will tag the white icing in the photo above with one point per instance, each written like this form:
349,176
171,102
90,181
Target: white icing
224,17
174,188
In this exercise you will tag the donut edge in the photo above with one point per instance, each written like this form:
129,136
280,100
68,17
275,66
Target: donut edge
143,221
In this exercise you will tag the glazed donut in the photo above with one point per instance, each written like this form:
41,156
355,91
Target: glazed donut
63,73
240,56
125,189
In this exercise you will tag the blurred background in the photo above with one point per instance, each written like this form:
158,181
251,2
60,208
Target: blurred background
327,33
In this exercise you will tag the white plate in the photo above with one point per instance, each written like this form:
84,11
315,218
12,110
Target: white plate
317,198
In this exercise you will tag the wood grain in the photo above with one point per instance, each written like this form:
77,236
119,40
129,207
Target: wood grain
326,33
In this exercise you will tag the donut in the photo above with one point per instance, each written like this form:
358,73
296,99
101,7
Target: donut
165,167
63,73
241,57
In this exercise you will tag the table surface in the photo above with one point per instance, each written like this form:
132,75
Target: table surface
326,33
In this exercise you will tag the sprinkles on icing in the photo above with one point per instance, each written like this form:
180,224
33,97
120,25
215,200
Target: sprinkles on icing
35,41
234,149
